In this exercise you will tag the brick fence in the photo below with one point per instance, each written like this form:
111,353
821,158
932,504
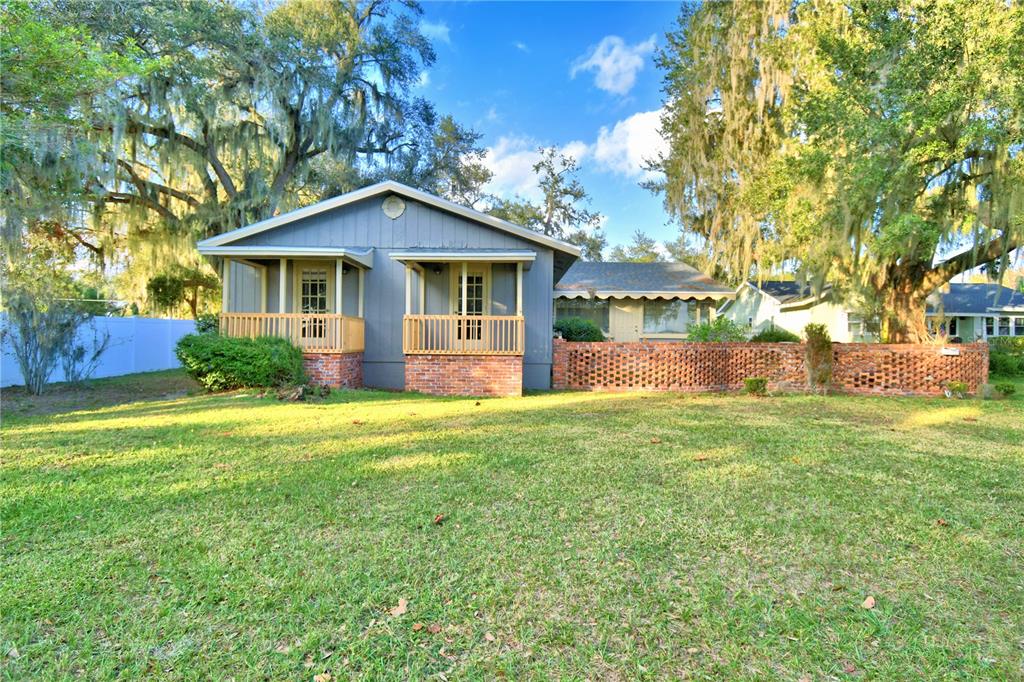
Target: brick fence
337,370
471,375
857,367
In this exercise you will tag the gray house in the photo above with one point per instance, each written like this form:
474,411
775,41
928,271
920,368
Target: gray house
391,287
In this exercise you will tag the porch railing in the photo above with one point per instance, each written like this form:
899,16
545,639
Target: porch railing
463,334
322,333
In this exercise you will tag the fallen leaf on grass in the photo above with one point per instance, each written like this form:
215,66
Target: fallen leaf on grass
358,422
13,653
868,603
434,628
282,648
489,637
416,627
941,522
700,458
849,667
322,677
655,440
970,419
439,519
401,608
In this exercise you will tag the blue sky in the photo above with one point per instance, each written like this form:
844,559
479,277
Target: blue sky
580,76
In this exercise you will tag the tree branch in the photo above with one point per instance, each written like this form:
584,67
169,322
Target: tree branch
946,270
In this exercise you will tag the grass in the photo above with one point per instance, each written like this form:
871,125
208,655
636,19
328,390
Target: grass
584,536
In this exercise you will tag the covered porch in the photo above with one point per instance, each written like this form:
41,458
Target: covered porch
314,297
465,302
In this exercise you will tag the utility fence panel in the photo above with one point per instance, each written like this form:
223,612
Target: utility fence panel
137,344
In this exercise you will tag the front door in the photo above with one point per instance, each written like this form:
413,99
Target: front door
313,293
471,332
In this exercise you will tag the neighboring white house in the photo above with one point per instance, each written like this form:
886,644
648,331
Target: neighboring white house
967,311
792,306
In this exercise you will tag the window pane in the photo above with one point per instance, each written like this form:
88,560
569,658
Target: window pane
1018,326
668,317
989,330
594,310
1004,326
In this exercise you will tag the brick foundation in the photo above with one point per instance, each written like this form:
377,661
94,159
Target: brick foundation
337,370
468,375
857,367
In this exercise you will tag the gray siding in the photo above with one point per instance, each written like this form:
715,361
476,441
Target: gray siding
365,225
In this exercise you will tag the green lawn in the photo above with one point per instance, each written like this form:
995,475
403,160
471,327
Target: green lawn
584,536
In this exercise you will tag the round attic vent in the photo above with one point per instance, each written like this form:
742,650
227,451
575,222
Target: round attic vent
393,207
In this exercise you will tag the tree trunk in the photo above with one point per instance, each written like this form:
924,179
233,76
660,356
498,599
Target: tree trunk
903,317
193,303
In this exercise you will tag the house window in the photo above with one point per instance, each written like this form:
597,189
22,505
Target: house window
989,326
313,291
594,310
1018,326
1004,326
668,317
953,327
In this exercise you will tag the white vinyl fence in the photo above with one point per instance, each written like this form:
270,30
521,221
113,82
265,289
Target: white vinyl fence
137,344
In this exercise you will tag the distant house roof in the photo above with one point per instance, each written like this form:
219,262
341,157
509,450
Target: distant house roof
785,291
638,280
976,299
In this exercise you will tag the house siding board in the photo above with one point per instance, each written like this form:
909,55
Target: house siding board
363,224
244,288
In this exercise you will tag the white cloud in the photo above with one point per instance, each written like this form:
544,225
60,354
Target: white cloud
437,31
521,46
630,144
615,63
492,114
424,79
511,160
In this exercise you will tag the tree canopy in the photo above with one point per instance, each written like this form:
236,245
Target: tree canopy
642,249
876,145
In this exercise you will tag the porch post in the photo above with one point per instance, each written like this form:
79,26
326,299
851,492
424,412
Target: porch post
519,289
465,287
408,290
263,289
360,292
339,306
225,295
282,287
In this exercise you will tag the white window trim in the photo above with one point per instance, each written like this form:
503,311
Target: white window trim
455,291
297,268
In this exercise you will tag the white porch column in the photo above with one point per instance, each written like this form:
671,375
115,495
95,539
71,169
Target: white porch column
519,289
282,287
225,294
465,287
361,273
408,290
263,289
339,302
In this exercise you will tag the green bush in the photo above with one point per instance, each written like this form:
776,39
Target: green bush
819,356
578,329
956,389
755,385
722,329
1006,388
1006,355
221,363
208,323
774,335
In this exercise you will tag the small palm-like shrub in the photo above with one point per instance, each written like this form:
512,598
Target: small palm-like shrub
956,389
222,363
755,385
578,329
818,357
774,335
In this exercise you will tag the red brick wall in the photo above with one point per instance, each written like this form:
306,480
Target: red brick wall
897,369
857,368
470,375
337,370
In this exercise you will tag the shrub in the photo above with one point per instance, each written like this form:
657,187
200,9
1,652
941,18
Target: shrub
818,356
1006,356
721,330
222,363
755,385
208,323
578,329
1006,388
774,335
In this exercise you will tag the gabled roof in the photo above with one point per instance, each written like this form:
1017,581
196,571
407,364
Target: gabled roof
638,280
976,299
385,188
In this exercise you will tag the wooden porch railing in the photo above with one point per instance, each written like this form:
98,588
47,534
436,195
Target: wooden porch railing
463,335
324,333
